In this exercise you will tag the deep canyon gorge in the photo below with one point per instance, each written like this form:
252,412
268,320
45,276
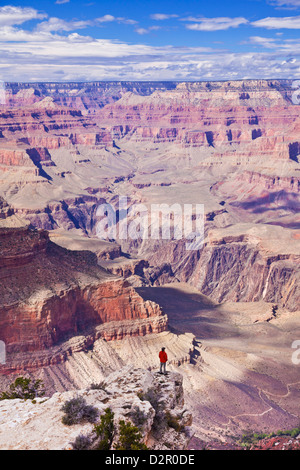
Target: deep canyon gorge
75,307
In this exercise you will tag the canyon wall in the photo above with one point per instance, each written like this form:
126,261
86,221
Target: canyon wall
49,295
76,305
240,267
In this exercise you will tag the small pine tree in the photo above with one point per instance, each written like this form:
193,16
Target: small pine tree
105,430
130,438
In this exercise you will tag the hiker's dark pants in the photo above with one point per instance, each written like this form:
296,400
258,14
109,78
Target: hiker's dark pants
162,367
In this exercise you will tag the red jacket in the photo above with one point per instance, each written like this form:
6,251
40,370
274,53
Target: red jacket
163,356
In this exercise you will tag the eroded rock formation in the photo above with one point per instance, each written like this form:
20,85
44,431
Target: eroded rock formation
244,264
49,294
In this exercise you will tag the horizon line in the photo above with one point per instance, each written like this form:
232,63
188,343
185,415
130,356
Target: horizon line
152,81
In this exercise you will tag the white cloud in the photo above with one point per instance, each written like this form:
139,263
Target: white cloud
147,66
46,56
10,15
17,35
57,24
110,18
286,4
162,16
54,50
287,47
214,24
11,33
61,2
126,20
148,30
141,30
288,22
56,47
105,19
269,43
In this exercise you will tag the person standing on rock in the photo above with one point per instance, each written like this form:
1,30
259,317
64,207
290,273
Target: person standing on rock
163,361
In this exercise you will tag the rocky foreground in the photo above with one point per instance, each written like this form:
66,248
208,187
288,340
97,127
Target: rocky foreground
153,402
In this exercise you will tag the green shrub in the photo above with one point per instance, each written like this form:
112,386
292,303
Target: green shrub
130,438
98,386
249,439
105,430
77,411
25,389
292,432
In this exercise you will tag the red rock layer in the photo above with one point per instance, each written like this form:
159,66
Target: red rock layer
236,119
211,118
48,295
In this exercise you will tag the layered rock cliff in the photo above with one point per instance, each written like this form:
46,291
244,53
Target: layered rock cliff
249,264
49,295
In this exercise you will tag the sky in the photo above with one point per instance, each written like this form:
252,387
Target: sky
83,40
